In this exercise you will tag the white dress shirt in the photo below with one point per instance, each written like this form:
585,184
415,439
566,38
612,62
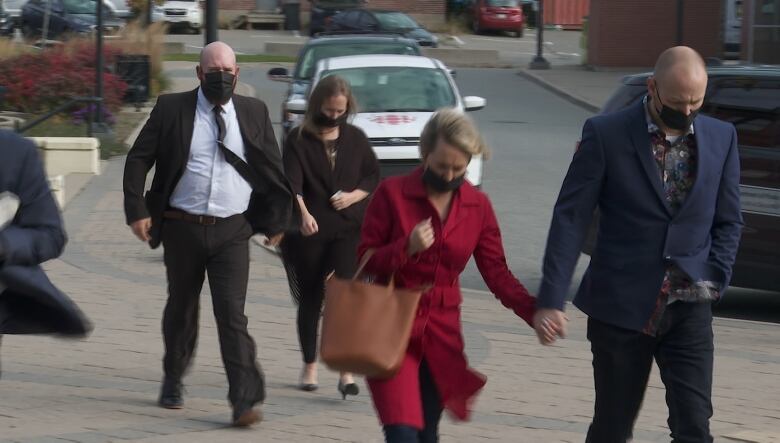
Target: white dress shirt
209,184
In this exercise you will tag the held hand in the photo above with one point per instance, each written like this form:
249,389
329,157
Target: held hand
549,324
141,228
343,200
274,240
309,225
421,237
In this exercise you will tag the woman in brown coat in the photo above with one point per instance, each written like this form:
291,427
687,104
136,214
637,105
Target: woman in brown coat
332,168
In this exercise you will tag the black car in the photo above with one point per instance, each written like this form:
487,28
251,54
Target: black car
322,11
326,46
749,98
367,20
65,17
6,23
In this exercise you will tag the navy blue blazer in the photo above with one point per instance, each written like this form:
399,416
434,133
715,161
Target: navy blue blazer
639,235
30,304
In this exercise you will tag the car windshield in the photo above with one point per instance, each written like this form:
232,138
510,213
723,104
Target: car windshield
398,89
504,3
309,59
80,6
395,20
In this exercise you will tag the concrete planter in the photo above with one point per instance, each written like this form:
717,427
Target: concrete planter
68,155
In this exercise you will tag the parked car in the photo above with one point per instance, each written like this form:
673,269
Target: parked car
322,12
749,98
119,8
366,20
396,96
180,14
65,17
497,15
6,23
337,45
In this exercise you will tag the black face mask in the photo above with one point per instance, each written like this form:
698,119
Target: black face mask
674,118
218,86
323,121
438,184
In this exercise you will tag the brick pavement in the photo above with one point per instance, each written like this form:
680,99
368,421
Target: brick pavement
104,388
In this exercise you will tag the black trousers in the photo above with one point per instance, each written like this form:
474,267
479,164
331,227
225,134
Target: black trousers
431,414
683,350
314,259
222,252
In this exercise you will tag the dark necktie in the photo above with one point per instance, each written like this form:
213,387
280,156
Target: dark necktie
220,124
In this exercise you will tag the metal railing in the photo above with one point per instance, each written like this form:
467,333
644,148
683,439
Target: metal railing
61,108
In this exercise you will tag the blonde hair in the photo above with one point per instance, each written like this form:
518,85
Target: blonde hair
328,87
455,129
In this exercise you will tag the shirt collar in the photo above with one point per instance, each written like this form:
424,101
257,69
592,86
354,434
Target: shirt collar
205,105
651,126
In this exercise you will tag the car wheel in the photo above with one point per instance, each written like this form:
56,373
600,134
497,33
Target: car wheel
475,27
519,33
195,29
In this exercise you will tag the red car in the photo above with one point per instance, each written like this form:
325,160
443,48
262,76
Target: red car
497,15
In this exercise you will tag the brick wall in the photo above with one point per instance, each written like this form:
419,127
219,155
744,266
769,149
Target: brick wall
632,33
237,5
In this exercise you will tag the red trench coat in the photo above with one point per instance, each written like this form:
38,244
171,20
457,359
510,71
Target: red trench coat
470,228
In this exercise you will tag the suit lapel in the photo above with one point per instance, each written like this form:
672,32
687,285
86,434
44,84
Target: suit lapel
641,140
463,203
187,123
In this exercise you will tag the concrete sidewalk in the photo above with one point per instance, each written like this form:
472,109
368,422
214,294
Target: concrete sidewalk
105,388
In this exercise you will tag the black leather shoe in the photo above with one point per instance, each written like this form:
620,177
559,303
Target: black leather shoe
245,415
348,389
170,394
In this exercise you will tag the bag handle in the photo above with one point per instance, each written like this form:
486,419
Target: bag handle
364,261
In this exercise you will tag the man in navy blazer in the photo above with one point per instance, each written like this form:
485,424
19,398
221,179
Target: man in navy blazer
666,183
29,303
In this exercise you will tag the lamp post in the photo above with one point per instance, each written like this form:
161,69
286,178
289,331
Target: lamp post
98,105
211,21
539,62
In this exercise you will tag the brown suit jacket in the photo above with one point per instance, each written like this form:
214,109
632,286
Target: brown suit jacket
164,142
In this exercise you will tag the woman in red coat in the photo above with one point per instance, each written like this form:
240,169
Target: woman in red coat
423,228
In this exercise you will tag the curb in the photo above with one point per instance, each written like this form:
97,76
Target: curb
557,90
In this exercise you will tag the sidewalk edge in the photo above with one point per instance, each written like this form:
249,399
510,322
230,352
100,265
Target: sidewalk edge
555,89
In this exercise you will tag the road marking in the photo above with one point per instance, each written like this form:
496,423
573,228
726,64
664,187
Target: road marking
505,40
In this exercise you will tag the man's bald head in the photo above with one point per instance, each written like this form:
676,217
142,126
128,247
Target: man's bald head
678,82
679,61
217,54
217,72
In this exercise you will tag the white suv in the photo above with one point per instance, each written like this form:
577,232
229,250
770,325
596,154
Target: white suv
180,13
397,95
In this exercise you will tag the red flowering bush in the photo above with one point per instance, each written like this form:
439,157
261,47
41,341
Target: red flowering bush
40,81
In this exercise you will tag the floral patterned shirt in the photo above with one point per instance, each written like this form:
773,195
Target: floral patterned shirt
676,161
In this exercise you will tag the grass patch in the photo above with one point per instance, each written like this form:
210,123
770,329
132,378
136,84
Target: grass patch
240,58
111,144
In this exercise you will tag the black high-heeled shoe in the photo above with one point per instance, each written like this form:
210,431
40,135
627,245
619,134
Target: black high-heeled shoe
348,389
